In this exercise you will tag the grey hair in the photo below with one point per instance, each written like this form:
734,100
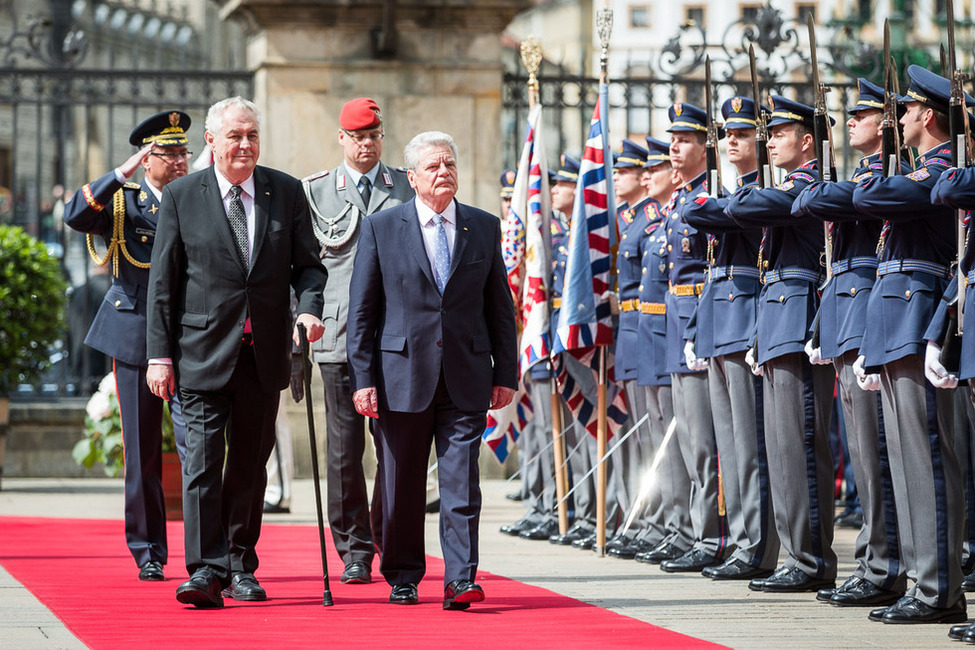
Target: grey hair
214,120
426,140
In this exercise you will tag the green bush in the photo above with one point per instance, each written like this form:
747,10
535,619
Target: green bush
32,296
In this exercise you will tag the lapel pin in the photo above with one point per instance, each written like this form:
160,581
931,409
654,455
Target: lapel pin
465,228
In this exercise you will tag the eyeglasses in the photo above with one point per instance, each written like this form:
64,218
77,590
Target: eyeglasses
359,138
172,157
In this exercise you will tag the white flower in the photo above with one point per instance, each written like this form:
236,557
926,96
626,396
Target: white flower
100,406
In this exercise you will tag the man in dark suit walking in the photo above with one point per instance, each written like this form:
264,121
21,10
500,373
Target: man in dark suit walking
431,345
230,241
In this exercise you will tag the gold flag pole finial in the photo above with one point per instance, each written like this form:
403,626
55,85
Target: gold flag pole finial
604,27
531,57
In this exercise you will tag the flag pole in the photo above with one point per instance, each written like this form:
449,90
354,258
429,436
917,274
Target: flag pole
531,57
604,27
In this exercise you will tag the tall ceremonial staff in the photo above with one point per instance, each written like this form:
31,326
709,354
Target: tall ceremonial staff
823,135
604,27
959,152
531,57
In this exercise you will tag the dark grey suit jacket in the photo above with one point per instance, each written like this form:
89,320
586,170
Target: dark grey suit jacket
200,294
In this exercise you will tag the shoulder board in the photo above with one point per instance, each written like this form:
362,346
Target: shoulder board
312,177
801,176
919,175
786,186
860,177
129,185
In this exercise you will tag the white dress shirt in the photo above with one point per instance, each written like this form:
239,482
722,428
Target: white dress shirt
429,229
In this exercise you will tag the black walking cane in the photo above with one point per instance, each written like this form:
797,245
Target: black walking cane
303,342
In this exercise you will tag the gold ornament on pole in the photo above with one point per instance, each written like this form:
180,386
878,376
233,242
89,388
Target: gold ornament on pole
531,57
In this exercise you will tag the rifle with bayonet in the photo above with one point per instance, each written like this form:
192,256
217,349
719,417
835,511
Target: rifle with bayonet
823,135
957,123
715,189
761,128
890,134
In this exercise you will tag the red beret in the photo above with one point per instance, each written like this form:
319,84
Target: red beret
361,113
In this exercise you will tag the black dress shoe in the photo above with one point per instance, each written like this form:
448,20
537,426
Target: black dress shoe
578,530
151,571
202,590
824,595
662,552
244,586
526,522
618,541
877,614
863,593
692,561
910,610
404,594
969,636
432,507
629,551
275,508
735,569
957,632
795,580
756,584
459,594
514,496
357,573
585,543
849,519
542,531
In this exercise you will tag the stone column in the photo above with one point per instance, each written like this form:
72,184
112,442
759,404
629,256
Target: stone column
430,64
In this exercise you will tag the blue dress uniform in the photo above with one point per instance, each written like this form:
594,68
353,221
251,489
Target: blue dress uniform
917,247
842,321
797,395
723,331
119,330
669,502
687,249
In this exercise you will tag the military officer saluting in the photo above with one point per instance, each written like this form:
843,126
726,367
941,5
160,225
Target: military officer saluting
723,329
339,200
797,396
917,246
124,214
878,578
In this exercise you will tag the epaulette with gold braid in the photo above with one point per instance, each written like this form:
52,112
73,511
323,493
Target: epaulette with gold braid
132,186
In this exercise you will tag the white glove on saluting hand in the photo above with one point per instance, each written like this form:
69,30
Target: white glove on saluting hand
693,363
865,381
935,372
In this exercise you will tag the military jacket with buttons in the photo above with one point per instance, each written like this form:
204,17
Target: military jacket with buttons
843,305
629,267
337,211
119,326
726,313
918,238
686,260
790,255
956,189
652,349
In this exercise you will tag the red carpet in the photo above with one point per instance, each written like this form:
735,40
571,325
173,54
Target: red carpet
81,570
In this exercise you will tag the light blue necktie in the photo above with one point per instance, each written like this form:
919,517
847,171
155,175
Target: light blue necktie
441,254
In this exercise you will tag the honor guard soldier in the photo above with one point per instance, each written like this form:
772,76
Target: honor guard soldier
797,396
630,457
507,189
916,251
687,259
724,327
956,189
124,214
668,534
878,578
339,200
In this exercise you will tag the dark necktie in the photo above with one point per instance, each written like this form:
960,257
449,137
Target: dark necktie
366,191
238,223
